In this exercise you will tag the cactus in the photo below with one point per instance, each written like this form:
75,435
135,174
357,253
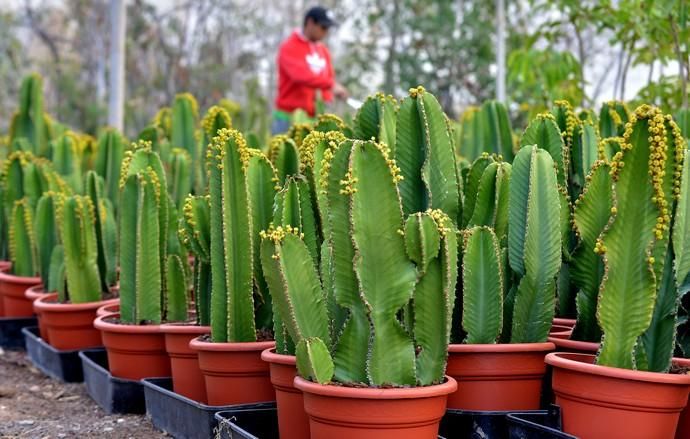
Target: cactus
284,155
489,205
108,162
482,279
66,159
534,242
196,235
180,182
106,229
637,296
424,152
486,129
613,117
77,219
47,233
185,114
241,189
29,121
375,119
22,240
379,265
592,211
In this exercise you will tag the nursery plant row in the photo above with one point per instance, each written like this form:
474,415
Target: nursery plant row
398,275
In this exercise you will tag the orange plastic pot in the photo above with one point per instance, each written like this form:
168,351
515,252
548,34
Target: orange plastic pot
34,293
574,346
683,431
134,351
607,402
293,422
562,321
5,266
12,288
497,377
111,308
340,412
184,362
560,331
70,325
234,373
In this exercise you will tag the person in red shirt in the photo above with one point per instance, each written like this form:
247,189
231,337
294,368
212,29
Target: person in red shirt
305,71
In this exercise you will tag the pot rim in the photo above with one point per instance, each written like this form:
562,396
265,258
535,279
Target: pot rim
575,344
579,363
43,304
270,356
35,291
563,321
244,346
681,361
501,347
100,324
182,328
447,387
24,280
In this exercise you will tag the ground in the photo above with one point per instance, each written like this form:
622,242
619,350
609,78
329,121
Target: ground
35,406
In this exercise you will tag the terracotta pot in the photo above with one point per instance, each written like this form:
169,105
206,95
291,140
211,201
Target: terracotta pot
134,351
5,266
32,294
340,412
12,288
563,321
560,331
497,376
70,325
293,422
607,402
111,308
683,431
184,362
578,347
234,372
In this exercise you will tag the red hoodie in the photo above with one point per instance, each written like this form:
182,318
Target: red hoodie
303,68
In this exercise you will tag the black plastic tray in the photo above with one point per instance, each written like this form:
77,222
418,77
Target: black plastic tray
11,336
61,365
114,395
181,417
456,424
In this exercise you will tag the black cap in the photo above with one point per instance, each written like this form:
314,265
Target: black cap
321,16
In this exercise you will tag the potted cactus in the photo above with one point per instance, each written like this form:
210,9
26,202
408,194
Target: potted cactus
624,390
242,185
510,260
153,285
380,267
84,265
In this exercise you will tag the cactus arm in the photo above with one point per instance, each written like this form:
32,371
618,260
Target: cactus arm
183,135
434,299
176,282
22,240
106,229
108,159
294,281
376,119
409,156
284,155
592,212
180,184
584,153
219,293
30,121
237,241
628,292
294,207
128,248
148,257
482,278
78,237
47,233
472,182
497,130
544,133
57,273
534,299
681,228
385,276
314,361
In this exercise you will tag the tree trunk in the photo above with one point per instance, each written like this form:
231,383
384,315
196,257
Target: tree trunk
118,20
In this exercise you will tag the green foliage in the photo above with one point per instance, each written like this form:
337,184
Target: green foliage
29,121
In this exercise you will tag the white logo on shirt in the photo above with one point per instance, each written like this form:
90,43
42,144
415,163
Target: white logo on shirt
316,63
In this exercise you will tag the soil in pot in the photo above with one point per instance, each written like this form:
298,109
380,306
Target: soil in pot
32,294
234,373
497,377
607,402
134,351
70,325
342,412
184,362
293,422
12,289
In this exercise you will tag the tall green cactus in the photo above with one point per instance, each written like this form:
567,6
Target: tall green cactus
486,129
185,115
241,189
425,153
180,182
47,231
613,117
534,242
284,155
109,158
375,119
23,240
77,219
106,229
65,157
487,205
195,233
637,296
29,121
